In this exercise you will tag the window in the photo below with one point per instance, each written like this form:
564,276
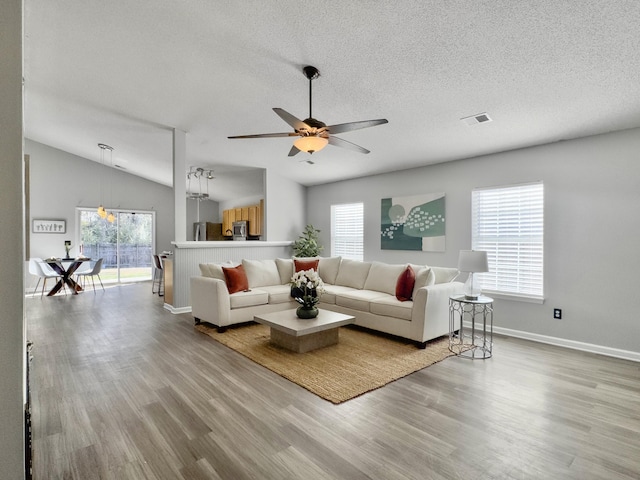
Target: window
126,245
508,223
347,230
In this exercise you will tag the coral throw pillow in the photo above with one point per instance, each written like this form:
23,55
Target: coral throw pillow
405,283
236,279
301,265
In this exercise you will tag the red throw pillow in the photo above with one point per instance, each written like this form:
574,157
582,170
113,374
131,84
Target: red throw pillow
405,283
301,265
236,279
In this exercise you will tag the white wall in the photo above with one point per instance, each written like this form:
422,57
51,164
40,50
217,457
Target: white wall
285,208
240,202
60,182
592,227
12,339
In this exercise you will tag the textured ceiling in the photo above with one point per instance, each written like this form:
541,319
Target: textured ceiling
125,73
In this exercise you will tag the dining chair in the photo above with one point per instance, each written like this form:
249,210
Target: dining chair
158,276
44,271
94,272
33,270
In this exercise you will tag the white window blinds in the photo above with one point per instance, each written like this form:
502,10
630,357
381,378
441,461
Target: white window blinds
508,223
347,230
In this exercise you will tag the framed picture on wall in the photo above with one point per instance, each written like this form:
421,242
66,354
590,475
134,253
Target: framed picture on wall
413,223
49,226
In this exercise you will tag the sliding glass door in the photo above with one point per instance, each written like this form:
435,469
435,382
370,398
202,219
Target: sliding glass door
126,245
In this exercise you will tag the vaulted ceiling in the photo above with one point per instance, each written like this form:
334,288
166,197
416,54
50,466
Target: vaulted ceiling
127,72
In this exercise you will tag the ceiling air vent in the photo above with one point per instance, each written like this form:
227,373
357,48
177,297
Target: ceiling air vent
476,119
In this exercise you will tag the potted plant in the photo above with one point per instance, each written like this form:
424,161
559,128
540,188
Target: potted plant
306,288
307,244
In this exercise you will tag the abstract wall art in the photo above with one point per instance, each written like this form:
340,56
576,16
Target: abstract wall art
413,223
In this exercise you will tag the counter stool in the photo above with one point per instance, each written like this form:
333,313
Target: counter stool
158,276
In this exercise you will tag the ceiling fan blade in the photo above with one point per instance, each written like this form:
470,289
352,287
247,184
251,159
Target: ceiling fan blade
348,127
294,151
339,142
267,135
295,122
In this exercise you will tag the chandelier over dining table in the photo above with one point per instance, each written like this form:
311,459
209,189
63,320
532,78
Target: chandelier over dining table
102,212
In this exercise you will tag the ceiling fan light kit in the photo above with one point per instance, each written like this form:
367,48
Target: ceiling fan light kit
311,144
314,134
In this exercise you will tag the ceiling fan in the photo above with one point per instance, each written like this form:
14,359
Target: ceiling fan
314,134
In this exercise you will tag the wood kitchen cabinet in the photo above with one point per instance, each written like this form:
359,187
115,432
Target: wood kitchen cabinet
254,227
228,217
252,213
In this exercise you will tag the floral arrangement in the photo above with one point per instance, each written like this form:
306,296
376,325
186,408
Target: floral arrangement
307,286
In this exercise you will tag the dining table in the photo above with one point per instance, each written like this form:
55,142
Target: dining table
66,273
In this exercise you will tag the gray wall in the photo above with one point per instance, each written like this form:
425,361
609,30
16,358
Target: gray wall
592,227
12,339
285,207
60,182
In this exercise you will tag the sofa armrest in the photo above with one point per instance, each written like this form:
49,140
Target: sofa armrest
210,300
430,316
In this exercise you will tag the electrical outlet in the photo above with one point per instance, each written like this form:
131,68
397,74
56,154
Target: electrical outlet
557,313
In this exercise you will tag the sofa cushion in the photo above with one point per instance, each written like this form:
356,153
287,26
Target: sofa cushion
285,269
405,283
424,277
391,307
330,292
328,269
303,265
278,293
261,273
248,298
352,273
444,274
236,279
359,299
383,277
211,270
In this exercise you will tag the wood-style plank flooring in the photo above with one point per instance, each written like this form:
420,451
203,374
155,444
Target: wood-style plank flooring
122,389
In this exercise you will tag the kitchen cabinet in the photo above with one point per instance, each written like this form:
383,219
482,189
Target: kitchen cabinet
228,217
252,214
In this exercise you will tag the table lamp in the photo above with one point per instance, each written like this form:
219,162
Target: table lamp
472,261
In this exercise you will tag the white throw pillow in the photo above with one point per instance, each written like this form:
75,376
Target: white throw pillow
285,269
424,277
261,273
383,277
445,274
211,270
352,273
328,269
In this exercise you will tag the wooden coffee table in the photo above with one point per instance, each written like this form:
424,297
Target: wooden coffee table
290,332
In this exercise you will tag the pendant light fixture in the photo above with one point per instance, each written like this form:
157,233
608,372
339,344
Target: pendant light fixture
102,212
111,217
198,173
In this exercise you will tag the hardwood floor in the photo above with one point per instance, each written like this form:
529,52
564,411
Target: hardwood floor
122,389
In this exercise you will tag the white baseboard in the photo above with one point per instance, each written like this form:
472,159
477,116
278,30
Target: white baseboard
175,310
563,342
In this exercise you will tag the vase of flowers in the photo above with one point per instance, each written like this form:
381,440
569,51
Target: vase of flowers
306,288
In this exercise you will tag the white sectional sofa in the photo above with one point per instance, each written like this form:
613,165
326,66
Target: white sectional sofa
366,290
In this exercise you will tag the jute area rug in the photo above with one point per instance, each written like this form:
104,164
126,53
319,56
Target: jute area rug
361,361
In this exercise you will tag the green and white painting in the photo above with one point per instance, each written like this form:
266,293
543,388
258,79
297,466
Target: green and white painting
413,223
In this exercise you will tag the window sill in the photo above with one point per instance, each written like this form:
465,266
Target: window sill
514,297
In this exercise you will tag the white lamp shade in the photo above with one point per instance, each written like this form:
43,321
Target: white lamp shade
311,144
473,261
